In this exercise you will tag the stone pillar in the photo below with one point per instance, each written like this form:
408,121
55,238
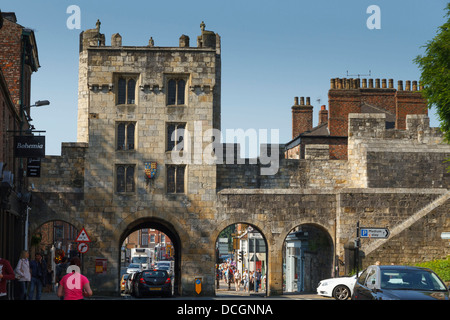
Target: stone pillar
116,40
184,41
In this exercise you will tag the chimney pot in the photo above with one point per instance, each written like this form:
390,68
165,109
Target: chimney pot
391,83
364,83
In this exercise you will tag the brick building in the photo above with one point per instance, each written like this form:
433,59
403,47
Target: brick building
18,60
351,96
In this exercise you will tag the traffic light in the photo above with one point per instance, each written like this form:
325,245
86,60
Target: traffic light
241,256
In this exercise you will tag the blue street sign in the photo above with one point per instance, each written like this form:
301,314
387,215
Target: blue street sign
380,233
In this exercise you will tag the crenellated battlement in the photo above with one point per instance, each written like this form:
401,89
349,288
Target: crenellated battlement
380,157
373,126
92,38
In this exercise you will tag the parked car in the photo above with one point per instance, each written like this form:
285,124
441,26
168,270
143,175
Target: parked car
339,288
133,267
165,265
123,282
399,283
152,282
129,283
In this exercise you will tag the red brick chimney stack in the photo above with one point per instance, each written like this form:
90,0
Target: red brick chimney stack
302,116
323,115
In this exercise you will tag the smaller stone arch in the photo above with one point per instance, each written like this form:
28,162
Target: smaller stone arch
250,252
55,240
308,257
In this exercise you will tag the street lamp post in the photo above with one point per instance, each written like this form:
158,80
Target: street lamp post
25,109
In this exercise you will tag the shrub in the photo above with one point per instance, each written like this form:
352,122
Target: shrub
440,266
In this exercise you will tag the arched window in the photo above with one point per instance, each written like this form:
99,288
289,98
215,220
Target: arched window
175,136
175,178
176,92
130,136
120,178
172,92
125,181
181,91
126,90
121,91
125,136
131,91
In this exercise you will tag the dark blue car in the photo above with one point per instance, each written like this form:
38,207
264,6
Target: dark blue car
399,283
152,282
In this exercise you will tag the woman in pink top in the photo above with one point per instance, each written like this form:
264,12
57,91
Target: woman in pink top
74,286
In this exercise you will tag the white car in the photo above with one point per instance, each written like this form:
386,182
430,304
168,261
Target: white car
339,288
134,267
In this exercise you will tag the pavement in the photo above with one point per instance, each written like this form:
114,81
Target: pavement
221,293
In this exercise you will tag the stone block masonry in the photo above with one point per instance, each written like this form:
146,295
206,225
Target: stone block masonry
388,179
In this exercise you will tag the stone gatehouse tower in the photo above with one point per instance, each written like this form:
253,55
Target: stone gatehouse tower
134,105
133,168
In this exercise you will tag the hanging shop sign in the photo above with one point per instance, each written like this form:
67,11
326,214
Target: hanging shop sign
34,167
29,146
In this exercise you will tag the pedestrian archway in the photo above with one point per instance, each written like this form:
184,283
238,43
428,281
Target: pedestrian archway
307,258
55,240
241,261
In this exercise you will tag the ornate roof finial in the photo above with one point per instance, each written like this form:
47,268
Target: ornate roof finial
97,24
202,26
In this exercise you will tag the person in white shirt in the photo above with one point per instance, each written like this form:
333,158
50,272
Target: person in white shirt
23,274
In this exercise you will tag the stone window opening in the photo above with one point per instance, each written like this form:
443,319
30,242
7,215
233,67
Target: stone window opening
125,136
126,90
125,181
175,178
175,136
176,92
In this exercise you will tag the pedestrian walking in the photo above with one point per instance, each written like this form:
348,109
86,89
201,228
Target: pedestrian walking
230,277
264,282
237,280
257,279
245,279
6,273
23,274
38,272
74,285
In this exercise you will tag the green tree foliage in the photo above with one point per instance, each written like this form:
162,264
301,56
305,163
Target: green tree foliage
435,77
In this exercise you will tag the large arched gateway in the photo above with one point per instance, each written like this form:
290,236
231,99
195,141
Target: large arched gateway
167,229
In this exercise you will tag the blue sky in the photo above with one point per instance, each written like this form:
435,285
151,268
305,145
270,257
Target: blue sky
272,51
